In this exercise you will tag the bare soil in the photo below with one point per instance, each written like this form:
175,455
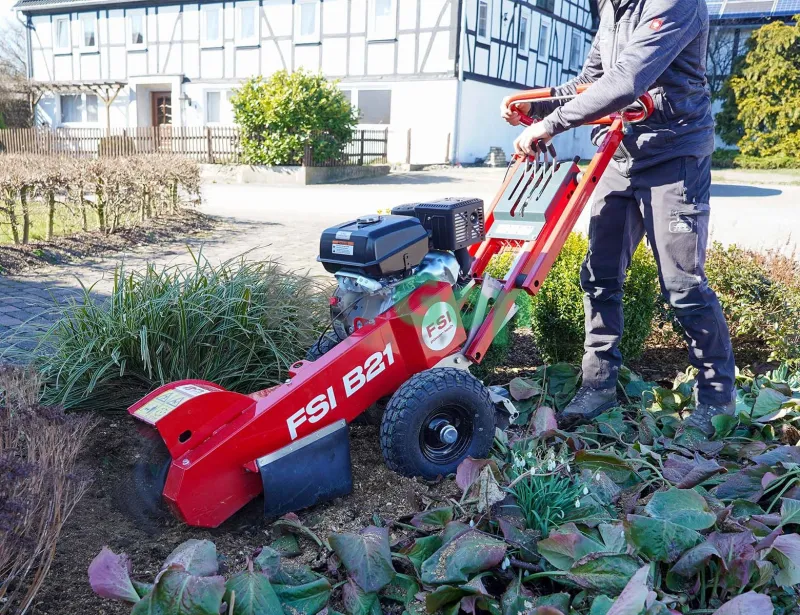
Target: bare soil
17,259
108,516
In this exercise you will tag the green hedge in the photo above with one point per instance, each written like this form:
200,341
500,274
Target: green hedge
732,159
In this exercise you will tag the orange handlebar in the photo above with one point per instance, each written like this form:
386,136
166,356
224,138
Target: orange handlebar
638,112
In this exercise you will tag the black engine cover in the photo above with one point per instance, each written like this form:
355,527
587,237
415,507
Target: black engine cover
374,245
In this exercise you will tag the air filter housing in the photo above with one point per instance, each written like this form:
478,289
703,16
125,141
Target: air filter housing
453,223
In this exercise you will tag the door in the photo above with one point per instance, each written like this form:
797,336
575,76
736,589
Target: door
161,103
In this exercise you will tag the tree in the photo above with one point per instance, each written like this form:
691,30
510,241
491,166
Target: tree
13,50
728,125
766,92
720,58
281,116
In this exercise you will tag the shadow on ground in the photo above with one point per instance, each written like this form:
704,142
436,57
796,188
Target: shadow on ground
740,190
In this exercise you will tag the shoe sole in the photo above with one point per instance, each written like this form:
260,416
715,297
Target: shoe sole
573,420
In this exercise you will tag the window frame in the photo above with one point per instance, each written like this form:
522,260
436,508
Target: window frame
82,19
543,25
487,36
129,15
209,43
524,42
576,64
224,97
384,33
58,49
255,39
83,109
308,39
355,102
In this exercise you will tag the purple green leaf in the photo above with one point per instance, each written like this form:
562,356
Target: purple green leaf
779,454
743,485
267,560
632,599
686,473
109,576
604,573
524,388
747,604
785,554
658,539
768,402
358,602
690,564
436,517
251,594
176,592
465,555
683,507
306,599
422,549
366,556
468,471
402,589
563,548
197,557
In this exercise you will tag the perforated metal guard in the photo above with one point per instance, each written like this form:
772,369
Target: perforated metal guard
522,210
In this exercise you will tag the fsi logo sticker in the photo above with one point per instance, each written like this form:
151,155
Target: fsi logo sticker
439,326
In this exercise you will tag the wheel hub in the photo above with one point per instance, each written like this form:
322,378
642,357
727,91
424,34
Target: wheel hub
446,433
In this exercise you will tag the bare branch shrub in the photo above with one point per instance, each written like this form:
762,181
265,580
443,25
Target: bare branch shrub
41,484
120,191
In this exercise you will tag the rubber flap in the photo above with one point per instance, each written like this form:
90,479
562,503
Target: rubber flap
310,470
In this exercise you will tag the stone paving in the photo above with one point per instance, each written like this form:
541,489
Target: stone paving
286,222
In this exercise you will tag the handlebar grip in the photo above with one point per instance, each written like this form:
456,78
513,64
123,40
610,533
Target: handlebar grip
633,116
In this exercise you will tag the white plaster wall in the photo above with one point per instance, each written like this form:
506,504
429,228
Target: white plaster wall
481,126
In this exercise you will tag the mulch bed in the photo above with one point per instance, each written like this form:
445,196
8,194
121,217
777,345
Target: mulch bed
17,259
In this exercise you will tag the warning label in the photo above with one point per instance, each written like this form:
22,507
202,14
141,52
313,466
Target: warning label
164,403
342,247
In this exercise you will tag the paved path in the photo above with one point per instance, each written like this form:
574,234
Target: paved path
286,222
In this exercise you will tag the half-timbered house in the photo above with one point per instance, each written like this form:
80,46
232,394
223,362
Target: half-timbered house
437,67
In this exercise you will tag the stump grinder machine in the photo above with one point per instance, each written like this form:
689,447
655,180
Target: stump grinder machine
407,283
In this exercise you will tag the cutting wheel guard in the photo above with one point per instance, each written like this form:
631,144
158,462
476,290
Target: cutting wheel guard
227,448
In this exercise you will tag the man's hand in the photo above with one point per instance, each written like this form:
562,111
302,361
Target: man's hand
532,134
513,117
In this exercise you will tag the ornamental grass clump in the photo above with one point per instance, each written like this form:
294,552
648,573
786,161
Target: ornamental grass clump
239,324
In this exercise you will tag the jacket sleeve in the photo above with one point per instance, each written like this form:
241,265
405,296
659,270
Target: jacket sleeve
665,29
591,72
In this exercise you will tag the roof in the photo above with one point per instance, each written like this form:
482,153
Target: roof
752,9
717,9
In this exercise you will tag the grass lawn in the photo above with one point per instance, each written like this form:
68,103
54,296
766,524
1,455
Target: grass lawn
66,223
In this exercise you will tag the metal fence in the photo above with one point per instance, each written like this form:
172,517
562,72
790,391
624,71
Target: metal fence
210,144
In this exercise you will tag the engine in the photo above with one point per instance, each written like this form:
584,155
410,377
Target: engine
378,260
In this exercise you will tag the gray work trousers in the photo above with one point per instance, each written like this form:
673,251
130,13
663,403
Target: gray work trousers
669,202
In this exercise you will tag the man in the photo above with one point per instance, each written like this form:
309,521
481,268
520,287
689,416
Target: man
658,184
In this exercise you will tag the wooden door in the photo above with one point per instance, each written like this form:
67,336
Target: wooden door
161,104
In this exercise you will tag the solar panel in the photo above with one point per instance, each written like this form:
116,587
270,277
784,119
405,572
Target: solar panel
715,8
790,7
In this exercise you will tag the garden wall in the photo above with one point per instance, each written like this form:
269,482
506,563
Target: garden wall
288,175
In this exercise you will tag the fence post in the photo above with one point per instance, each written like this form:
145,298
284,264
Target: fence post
209,148
447,152
361,150
408,148
307,155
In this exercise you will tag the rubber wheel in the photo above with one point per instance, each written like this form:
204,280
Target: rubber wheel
323,345
423,409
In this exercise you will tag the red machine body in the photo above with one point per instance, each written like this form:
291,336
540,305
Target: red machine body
216,438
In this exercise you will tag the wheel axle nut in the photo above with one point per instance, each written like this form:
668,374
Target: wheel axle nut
448,434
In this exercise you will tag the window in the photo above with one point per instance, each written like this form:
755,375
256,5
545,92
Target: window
307,21
375,106
544,40
136,29
78,108
63,43
382,19
89,29
576,51
547,5
213,108
523,34
247,22
484,25
211,32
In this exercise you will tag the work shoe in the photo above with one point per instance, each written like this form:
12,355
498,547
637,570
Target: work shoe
701,416
587,404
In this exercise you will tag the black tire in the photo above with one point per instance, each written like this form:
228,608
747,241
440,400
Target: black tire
323,345
410,441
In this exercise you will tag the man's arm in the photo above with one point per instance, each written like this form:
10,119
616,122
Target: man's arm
591,72
666,28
